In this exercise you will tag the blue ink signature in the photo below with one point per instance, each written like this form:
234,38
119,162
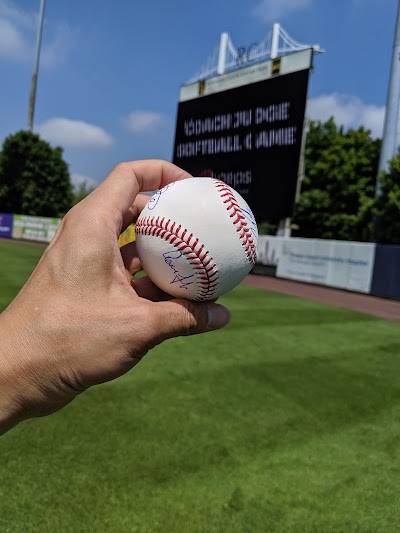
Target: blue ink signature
169,258
252,223
157,195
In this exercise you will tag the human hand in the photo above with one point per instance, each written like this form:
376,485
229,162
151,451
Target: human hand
80,320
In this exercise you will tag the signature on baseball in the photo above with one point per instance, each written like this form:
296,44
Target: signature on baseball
157,195
169,258
252,223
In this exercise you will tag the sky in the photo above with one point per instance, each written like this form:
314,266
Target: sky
110,72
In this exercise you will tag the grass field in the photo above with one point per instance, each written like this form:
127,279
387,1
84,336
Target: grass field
288,420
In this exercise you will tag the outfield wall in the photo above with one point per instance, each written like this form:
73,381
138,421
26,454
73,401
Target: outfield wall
361,267
28,228
386,276
42,229
355,266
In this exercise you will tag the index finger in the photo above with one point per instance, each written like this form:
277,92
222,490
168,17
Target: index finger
131,215
126,180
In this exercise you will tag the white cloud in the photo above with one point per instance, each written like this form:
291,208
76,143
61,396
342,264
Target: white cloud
273,10
12,42
348,111
74,133
143,121
57,50
18,32
9,11
79,179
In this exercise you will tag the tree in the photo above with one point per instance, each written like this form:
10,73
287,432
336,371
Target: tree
81,191
338,188
386,207
34,178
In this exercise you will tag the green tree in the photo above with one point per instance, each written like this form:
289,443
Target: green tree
339,184
386,208
34,178
81,191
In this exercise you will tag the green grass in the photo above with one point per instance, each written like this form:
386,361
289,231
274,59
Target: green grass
288,420
17,261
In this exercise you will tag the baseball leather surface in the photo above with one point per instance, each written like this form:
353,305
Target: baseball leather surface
197,238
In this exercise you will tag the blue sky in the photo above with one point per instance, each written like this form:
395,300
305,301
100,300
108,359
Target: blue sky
110,72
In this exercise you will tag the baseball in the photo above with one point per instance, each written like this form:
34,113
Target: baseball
196,238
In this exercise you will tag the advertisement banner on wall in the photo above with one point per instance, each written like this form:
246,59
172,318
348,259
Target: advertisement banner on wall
30,228
6,224
345,265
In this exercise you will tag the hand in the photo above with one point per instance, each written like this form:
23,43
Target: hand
80,320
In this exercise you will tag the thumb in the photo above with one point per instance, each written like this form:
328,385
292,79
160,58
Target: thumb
185,317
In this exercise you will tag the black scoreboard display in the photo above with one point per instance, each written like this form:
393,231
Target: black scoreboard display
249,136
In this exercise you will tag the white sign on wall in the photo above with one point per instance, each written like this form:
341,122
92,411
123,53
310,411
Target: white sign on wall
345,265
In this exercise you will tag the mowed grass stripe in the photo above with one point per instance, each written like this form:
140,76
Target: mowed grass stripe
286,420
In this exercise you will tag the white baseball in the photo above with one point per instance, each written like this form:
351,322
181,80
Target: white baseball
197,238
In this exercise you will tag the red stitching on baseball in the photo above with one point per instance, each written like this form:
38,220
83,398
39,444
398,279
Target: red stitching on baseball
207,271
240,221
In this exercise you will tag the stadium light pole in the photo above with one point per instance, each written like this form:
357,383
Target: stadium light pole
391,132
32,96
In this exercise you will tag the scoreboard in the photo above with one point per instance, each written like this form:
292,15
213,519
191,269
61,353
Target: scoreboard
245,128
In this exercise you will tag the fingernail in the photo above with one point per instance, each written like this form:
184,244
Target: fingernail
218,316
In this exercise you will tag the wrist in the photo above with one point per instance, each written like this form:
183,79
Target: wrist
10,378
8,413
9,404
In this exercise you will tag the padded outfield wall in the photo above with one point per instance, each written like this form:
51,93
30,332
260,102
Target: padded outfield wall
355,266
42,229
361,267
